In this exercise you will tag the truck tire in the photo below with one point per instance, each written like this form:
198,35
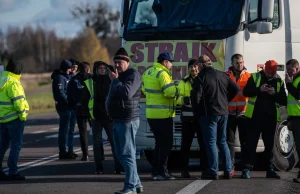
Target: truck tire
285,155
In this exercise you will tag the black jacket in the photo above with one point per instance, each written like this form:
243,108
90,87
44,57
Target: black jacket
265,103
212,90
59,89
76,99
123,99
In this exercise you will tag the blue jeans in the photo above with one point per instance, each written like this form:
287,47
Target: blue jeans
11,132
67,122
124,140
214,130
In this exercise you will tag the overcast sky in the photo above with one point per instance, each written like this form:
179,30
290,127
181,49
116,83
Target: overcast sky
53,14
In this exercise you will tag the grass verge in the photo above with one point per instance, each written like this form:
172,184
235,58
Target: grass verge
41,103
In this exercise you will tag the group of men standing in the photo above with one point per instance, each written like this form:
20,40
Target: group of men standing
214,105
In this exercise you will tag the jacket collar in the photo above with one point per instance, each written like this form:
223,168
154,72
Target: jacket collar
12,75
230,70
160,66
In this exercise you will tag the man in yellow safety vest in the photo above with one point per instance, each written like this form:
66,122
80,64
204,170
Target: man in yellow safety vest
292,80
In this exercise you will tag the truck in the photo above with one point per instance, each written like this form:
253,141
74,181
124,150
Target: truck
260,30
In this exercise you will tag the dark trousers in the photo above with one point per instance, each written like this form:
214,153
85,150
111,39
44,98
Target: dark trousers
11,134
233,123
294,124
266,126
67,122
97,126
163,134
82,126
189,129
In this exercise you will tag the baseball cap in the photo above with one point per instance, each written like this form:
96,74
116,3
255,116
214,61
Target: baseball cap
271,66
165,56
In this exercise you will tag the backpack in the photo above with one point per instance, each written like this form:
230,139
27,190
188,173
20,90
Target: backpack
74,92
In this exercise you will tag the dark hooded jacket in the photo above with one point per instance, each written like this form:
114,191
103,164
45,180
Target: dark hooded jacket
101,88
76,99
59,86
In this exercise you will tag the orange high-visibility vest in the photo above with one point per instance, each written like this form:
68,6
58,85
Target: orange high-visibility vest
239,103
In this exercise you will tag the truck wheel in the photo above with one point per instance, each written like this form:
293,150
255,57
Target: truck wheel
285,155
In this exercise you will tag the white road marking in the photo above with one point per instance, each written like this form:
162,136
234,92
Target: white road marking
46,160
37,132
54,128
194,187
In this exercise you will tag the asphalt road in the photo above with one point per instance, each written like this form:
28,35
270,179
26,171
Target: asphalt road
46,174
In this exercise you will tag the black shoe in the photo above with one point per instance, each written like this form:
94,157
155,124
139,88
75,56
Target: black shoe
140,189
208,176
272,174
66,156
297,180
3,176
73,154
227,176
16,177
185,174
85,158
165,176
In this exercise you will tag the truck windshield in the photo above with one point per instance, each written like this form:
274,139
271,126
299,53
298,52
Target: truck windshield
171,16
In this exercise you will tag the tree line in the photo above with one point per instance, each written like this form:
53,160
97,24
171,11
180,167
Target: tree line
41,50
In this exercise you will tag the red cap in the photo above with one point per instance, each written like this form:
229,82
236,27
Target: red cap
271,66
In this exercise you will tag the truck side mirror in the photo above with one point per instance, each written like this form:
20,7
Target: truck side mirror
264,27
267,9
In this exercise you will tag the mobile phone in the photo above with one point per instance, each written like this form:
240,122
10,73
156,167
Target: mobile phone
111,68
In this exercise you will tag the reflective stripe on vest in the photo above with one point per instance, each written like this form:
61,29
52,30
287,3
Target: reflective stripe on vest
89,85
252,100
293,105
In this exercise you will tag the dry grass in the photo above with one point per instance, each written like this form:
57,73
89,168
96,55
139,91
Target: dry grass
30,81
41,103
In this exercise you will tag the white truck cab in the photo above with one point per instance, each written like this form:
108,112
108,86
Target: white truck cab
260,30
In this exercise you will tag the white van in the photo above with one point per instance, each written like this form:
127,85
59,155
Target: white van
260,30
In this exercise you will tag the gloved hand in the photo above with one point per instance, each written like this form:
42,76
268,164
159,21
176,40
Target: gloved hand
186,100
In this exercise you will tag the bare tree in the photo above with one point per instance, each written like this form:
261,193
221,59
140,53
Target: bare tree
100,18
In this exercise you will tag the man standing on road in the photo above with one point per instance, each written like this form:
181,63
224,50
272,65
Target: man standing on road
67,116
80,104
292,80
237,107
266,93
190,125
97,89
122,106
161,94
212,90
13,113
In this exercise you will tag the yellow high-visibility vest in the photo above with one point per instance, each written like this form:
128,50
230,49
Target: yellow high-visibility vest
252,100
160,92
90,86
293,105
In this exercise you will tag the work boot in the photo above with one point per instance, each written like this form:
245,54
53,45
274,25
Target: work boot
246,174
125,191
16,177
208,176
3,176
99,168
272,174
66,156
73,154
297,180
227,175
